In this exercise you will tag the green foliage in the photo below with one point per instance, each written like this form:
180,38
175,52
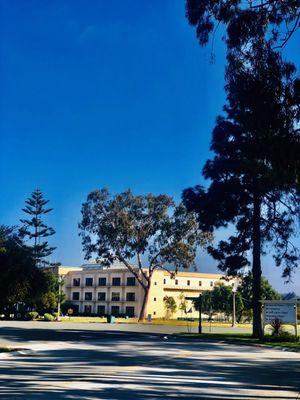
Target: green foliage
255,173
282,336
32,315
244,21
170,306
48,317
35,229
48,301
245,289
219,300
183,305
125,227
277,327
21,281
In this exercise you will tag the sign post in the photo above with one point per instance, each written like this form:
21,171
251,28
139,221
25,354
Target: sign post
283,310
200,310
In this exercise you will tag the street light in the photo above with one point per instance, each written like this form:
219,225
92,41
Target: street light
200,314
234,290
59,296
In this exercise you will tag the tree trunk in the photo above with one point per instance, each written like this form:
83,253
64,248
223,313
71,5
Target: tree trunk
256,269
145,301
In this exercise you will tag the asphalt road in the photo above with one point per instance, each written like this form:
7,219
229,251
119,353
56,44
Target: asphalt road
60,361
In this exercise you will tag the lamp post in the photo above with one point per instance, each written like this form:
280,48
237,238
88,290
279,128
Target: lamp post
59,297
234,289
200,314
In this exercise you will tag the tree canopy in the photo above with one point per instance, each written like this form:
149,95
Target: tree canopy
255,173
245,21
21,281
35,229
150,231
219,301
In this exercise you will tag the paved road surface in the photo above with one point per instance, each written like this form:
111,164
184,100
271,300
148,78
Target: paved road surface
88,363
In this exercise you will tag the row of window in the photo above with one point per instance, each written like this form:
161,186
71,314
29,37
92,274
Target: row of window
115,296
103,281
188,282
115,310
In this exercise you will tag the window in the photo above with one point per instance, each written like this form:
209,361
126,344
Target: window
200,283
211,283
116,281
131,281
75,296
101,310
88,296
164,281
176,281
115,296
155,283
188,282
87,309
154,312
88,281
130,296
102,281
154,299
129,311
102,296
115,310
76,282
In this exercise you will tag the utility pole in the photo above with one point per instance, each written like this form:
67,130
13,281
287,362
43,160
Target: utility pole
200,314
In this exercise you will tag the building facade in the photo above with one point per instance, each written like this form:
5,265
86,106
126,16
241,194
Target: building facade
100,291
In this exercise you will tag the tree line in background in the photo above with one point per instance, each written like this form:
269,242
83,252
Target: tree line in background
24,285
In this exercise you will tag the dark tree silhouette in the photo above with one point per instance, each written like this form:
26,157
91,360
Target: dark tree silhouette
35,229
255,173
20,280
244,21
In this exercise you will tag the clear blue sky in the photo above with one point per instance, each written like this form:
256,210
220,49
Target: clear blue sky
99,93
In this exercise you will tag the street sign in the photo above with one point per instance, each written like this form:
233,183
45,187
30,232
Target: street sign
283,310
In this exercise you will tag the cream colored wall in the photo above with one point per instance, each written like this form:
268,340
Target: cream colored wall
162,285
189,284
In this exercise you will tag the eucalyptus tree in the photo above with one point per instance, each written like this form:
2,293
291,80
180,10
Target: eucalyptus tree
149,230
35,229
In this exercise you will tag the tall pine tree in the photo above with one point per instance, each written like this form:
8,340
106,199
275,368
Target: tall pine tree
35,229
255,173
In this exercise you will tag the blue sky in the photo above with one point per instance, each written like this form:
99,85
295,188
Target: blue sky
98,93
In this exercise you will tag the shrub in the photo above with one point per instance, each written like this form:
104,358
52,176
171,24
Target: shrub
48,317
276,326
32,315
55,315
282,337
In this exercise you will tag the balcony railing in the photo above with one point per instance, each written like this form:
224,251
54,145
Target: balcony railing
108,285
108,300
185,287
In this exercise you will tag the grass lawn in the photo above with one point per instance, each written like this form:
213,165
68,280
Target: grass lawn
172,322
240,338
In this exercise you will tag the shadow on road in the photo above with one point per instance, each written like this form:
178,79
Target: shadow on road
122,365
